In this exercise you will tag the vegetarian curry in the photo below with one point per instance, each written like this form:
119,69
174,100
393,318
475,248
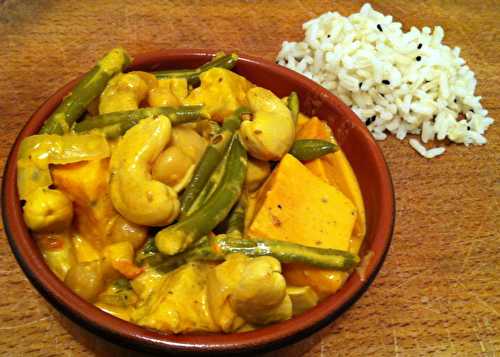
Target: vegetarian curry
190,200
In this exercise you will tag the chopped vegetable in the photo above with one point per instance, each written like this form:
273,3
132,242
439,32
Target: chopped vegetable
177,237
121,257
47,210
323,281
294,105
221,92
285,252
86,183
210,160
218,247
89,88
148,254
208,175
169,93
117,123
181,293
57,252
118,293
36,152
125,231
86,279
258,171
303,298
339,173
311,149
236,219
193,75
84,250
319,216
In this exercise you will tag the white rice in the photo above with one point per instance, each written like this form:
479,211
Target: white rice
396,82
429,154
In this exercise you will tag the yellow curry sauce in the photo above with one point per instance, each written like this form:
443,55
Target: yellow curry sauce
112,210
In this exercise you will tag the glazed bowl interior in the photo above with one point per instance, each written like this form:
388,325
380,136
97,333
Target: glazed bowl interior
357,143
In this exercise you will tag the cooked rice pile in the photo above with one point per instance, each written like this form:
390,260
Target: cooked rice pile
398,82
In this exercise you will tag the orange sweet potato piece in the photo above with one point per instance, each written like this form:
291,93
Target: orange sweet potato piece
298,207
86,183
335,169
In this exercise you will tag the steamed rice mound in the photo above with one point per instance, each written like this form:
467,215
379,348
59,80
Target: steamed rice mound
395,81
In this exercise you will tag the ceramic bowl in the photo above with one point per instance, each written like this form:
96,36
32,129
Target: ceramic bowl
355,140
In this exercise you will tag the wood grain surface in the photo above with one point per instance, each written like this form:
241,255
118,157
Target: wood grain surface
439,290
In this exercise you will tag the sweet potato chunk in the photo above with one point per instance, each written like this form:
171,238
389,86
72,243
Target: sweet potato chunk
86,183
336,170
299,207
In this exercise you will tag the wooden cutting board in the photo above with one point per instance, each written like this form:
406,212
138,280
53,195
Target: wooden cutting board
439,290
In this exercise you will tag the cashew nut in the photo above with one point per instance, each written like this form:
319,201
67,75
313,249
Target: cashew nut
135,195
271,133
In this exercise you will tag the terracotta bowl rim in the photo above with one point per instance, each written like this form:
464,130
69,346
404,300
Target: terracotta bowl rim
142,339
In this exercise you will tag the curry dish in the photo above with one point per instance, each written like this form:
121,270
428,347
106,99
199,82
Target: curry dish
190,200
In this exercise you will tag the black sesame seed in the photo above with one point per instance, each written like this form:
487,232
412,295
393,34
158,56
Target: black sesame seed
472,110
370,120
380,28
418,58
468,127
419,46
455,100
360,84
385,81
328,35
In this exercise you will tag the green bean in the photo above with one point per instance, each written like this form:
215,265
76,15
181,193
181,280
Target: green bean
211,185
201,250
218,247
119,122
208,163
294,105
193,75
177,237
236,219
310,149
285,252
210,168
148,254
233,122
89,88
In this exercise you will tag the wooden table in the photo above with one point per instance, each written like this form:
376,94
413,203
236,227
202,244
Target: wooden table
438,291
